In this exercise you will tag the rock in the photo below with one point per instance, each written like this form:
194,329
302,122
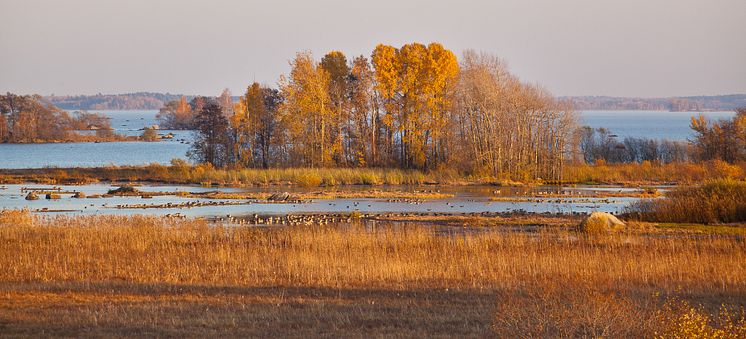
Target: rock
279,196
52,196
79,195
32,196
124,190
600,222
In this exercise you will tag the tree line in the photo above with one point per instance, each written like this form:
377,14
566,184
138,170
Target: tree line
29,118
414,107
140,100
723,140
602,145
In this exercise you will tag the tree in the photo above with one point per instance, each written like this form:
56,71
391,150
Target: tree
255,122
4,130
306,112
28,118
335,64
268,137
225,100
508,128
415,83
442,74
386,67
723,140
211,143
176,115
364,133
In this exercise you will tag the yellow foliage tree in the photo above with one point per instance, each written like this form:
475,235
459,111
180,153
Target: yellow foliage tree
416,84
307,113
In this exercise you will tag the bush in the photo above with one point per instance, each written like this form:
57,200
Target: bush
680,319
149,134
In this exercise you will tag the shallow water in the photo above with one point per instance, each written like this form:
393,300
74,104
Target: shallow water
469,200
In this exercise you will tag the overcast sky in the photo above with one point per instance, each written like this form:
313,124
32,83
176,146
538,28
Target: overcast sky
643,48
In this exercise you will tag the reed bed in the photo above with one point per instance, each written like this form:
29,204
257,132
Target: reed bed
156,250
648,172
715,201
620,281
182,173
179,172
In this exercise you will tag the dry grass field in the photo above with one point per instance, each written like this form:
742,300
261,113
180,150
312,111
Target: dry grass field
148,276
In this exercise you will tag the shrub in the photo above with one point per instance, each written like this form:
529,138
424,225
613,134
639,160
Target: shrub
149,134
679,319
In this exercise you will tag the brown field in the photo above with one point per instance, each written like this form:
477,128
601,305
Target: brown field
147,276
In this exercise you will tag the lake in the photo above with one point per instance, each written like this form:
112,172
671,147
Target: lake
649,124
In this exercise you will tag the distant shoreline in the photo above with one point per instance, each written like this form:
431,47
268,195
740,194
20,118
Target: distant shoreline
154,101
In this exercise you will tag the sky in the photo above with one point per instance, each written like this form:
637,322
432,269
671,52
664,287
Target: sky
642,48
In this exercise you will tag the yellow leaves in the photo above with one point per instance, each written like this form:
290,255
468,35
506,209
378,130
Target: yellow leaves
183,106
306,110
239,115
679,319
416,83
385,61
699,123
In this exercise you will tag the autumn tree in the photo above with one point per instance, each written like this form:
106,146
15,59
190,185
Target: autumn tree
508,128
307,113
723,140
416,85
4,130
386,74
256,122
176,115
335,65
364,131
28,118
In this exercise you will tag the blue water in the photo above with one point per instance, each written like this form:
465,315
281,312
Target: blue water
649,124
86,154
466,200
